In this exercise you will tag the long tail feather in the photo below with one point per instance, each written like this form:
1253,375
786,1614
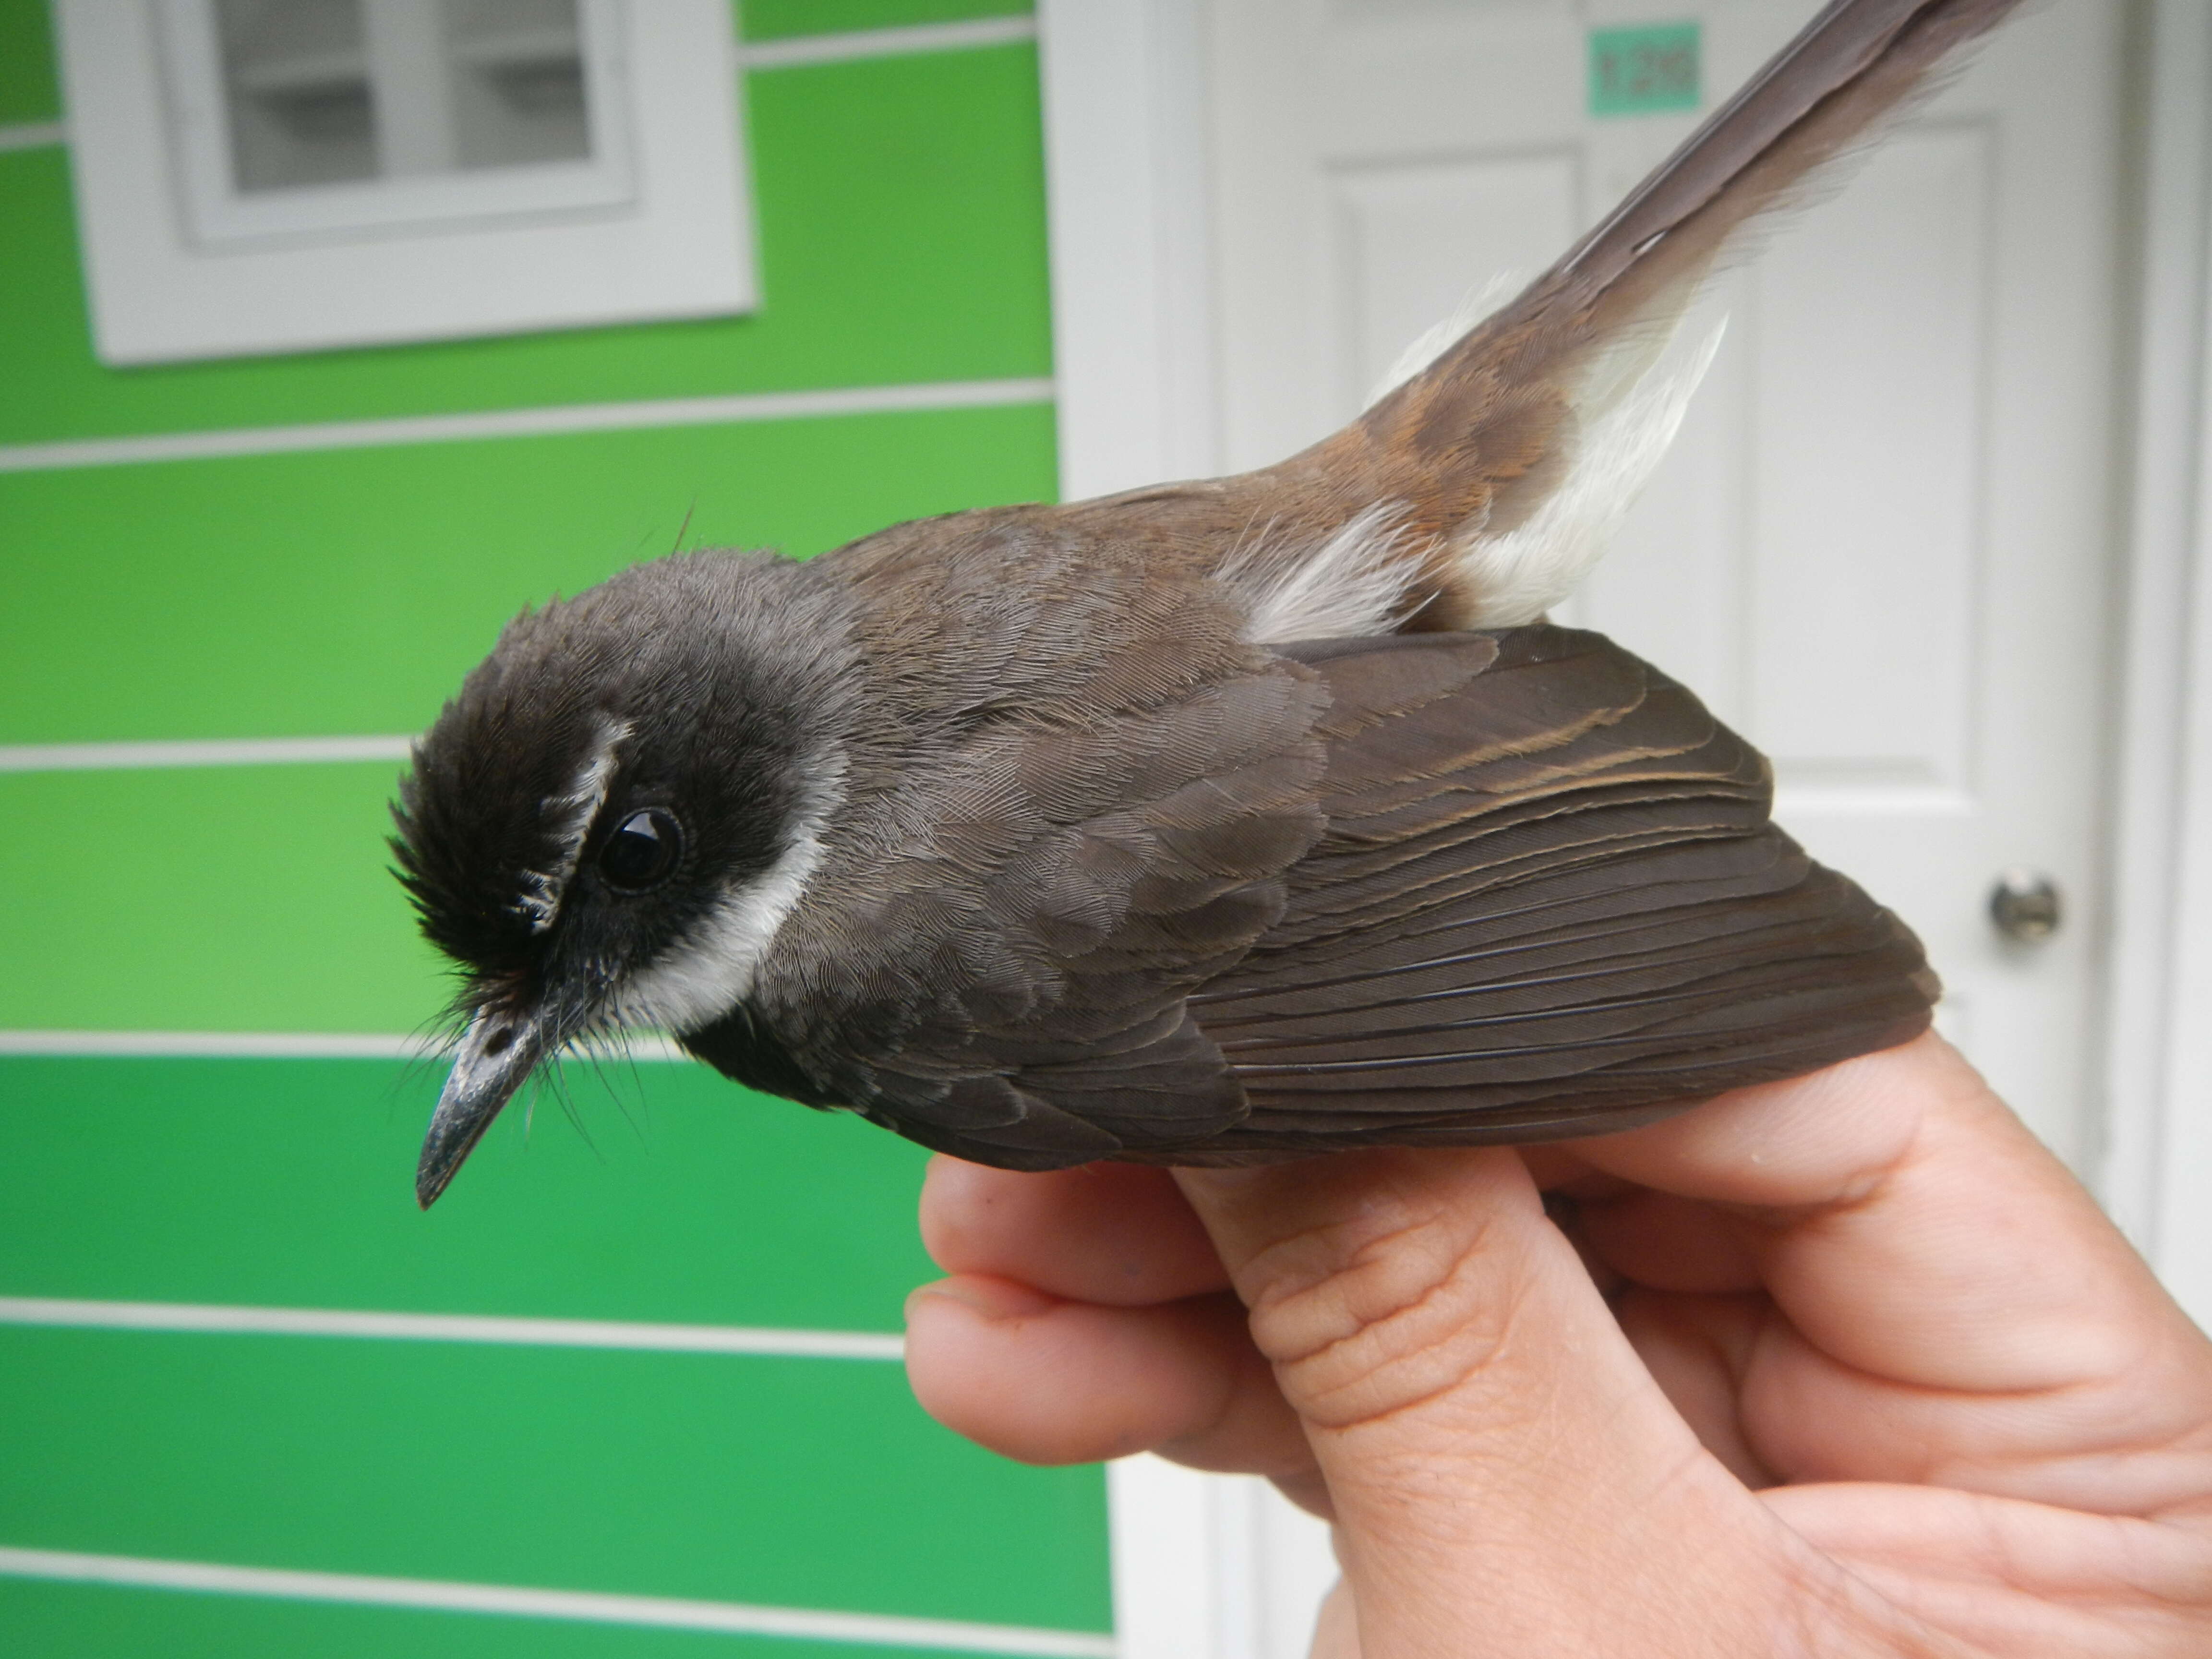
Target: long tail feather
1501,465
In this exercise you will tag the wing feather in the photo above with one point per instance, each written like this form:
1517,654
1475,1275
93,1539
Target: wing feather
1586,917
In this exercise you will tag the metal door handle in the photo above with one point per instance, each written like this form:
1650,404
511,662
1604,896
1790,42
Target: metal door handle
2026,906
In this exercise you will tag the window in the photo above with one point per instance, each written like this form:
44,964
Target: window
276,175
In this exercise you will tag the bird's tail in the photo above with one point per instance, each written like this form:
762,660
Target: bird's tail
1484,486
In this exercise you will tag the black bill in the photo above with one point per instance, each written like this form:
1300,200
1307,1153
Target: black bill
498,1052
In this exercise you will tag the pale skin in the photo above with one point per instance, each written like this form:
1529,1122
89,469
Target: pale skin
1847,1365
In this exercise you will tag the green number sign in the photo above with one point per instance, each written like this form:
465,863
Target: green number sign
1644,70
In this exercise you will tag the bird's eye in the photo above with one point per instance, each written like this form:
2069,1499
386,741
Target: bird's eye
642,850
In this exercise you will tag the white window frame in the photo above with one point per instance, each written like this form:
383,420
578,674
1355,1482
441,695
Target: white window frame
661,227
191,56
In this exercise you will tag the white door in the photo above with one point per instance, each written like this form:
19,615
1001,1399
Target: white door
1884,545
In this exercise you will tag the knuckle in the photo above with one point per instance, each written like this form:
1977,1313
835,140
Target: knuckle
1367,1317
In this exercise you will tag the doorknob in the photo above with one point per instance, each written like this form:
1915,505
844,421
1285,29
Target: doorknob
2025,905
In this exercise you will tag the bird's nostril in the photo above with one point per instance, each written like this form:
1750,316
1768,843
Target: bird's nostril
499,1041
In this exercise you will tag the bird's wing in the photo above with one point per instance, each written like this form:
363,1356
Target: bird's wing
1479,492
1550,900
1140,856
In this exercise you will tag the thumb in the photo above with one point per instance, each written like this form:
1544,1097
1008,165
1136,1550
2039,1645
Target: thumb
1500,1462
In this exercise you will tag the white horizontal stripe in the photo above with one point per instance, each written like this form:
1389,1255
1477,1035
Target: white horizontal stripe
449,1327
733,1618
33,135
222,751
523,424
845,48
646,1046
219,1045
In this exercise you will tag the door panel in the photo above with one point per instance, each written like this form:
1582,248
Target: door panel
1868,449
1407,235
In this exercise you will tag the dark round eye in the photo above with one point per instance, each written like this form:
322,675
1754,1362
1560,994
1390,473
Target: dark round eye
642,850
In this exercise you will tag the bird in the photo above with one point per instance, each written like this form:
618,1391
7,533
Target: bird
1214,822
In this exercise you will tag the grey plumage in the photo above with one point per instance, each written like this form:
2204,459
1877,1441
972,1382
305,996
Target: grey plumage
1014,831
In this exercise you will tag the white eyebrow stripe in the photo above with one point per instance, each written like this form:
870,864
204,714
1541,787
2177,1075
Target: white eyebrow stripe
708,972
574,811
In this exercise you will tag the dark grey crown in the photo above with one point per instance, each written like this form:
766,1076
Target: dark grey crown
698,683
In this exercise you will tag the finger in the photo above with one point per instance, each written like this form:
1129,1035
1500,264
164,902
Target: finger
1667,1242
1956,1308
1823,1139
1048,1380
2017,1578
1114,1233
1909,1225
1496,1452
1336,1627
1696,1349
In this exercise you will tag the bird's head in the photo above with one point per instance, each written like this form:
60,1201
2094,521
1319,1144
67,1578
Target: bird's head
606,827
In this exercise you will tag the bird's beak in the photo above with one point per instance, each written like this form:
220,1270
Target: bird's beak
500,1048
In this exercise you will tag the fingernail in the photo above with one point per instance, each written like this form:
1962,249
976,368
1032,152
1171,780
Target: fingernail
993,1298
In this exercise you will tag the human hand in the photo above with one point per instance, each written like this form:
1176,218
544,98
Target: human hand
1845,1365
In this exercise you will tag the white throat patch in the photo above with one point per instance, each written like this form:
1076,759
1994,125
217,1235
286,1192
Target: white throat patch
572,813
710,971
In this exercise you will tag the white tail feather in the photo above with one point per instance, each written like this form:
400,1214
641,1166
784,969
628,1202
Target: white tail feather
1357,584
1523,572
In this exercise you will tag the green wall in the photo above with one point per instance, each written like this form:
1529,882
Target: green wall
343,592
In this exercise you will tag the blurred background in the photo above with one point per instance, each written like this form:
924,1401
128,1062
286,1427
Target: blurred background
334,331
